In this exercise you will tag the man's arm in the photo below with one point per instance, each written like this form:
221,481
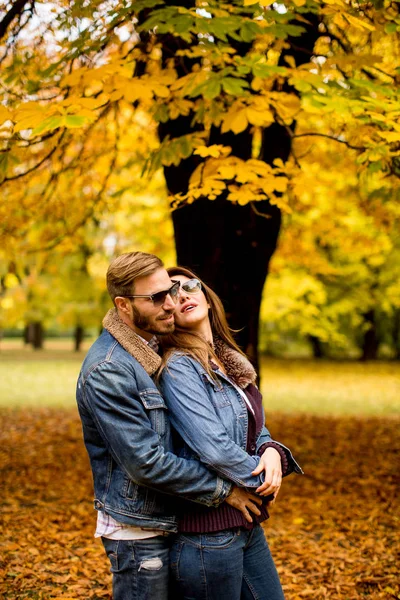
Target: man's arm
111,397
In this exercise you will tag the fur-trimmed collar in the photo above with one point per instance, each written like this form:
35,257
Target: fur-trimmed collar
237,366
131,342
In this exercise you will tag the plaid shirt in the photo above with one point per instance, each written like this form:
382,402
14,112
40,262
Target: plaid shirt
110,528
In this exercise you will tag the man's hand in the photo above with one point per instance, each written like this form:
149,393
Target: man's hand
244,501
270,462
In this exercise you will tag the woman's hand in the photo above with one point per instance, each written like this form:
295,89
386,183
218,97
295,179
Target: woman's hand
244,501
270,463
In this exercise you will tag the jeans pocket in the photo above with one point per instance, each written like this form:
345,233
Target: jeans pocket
219,539
111,548
174,557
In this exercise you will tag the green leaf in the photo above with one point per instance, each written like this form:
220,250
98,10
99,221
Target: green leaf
264,71
212,89
72,121
235,87
161,114
49,124
249,30
391,28
183,24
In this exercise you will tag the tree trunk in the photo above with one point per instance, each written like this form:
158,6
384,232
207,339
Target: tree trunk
228,245
317,347
27,334
36,335
371,342
396,335
78,337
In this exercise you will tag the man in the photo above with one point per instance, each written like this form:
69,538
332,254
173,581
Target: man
127,433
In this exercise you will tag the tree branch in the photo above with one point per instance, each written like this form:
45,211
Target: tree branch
15,11
329,137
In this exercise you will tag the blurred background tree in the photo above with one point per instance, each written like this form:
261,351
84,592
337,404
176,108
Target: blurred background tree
252,120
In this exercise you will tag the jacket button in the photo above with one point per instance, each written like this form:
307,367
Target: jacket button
253,447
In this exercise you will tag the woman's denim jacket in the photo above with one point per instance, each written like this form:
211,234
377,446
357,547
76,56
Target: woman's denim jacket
211,417
127,435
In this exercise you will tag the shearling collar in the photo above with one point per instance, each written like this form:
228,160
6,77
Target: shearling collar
131,342
237,366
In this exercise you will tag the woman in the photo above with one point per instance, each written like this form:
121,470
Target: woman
209,387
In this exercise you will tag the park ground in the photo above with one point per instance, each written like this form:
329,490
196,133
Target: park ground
334,532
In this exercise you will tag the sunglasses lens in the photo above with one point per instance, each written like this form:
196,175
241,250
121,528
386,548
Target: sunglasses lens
193,286
174,291
159,298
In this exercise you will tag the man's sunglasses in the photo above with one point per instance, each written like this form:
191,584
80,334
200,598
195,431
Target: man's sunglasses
193,286
158,298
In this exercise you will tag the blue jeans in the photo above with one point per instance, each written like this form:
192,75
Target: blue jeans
234,564
140,568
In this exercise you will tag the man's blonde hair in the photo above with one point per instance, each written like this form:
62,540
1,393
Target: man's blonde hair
124,269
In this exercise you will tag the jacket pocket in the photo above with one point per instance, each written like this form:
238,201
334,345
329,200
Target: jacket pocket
156,408
218,393
130,490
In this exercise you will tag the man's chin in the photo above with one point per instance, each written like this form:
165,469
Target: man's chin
166,328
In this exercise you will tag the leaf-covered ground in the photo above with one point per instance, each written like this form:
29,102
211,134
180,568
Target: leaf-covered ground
334,533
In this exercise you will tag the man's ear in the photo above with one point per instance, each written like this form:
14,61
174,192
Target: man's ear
122,304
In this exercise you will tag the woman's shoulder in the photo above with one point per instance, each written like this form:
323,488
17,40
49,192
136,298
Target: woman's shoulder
177,357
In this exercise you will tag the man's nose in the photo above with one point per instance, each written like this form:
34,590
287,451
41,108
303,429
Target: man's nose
169,304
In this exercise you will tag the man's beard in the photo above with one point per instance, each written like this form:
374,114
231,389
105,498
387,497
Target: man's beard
146,324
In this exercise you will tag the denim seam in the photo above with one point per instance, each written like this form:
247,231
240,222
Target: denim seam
252,590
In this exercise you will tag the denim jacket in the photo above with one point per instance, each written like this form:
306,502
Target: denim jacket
128,438
212,419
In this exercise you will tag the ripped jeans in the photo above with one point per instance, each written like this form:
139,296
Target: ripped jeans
139,567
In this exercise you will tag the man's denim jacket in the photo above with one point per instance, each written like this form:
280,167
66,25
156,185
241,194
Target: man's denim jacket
212,419
127,435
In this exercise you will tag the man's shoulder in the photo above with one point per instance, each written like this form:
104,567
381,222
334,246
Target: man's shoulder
106,349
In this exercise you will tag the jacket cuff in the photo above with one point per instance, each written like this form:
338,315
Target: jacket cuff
222,491
282,454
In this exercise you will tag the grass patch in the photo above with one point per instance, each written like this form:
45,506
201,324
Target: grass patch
48,378
331,387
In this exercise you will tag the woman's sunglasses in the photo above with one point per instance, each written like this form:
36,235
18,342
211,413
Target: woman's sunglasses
193,286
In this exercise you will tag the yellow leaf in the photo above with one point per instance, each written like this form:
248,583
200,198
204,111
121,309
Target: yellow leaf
290,61
235,121
299,2
258,117
358,22
29,122
137,90
161,90
227,172
298,521
339,20
10,280
281,184
250,2
216,150
5,114
389,136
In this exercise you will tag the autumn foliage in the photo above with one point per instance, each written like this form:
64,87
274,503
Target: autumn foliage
288,108
333,532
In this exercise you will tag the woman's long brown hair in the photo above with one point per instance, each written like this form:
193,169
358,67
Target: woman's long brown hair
191,342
